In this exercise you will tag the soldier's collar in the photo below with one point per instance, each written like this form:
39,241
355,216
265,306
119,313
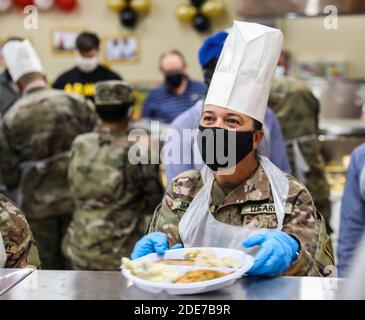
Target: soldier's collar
255,188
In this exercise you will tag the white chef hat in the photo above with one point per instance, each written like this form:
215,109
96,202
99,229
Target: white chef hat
20,59
243,77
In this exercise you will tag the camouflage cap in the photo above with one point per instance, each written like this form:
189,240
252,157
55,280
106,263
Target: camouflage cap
113,93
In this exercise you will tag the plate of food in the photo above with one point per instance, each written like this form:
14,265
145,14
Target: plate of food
187,271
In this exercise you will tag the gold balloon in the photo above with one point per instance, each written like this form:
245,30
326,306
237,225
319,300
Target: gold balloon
141,6
117,5
185,12
212,8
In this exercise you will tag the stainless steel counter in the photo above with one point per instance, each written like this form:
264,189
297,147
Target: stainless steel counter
80,285
10,278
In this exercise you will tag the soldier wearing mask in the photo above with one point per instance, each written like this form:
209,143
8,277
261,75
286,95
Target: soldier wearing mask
244,200
82,78
297,110
178,92
273,145
114,198
35,138
9,94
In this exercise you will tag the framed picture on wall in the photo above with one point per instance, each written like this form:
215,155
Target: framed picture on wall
122,49
63,40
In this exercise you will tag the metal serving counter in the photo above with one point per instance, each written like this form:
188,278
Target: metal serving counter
83,285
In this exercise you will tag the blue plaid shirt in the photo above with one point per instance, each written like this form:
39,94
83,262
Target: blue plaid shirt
162,104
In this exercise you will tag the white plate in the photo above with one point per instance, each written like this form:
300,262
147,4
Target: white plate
243,259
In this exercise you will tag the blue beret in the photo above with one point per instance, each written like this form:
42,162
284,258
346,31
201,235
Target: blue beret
212,48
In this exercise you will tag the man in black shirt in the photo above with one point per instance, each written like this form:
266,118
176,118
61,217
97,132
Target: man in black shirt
82,78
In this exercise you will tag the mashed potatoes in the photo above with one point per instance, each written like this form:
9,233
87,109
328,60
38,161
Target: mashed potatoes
206,258
147,270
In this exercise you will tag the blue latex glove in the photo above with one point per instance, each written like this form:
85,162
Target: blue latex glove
151,243
278,251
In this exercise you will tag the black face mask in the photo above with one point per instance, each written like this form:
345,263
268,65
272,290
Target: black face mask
174,80
223,149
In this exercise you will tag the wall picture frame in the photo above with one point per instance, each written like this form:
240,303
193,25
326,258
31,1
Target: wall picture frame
123,49
63,40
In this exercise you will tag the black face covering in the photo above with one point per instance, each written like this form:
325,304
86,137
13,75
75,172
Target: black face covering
223,149
174,80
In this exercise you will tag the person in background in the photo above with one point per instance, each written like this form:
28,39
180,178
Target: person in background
35,138
9,94
284,64
177,94
297,110
354,287
352,223
273,145
246,201
17,246
114,199
82,78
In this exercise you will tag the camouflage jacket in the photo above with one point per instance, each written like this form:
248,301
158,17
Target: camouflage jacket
42,125
298,111
251,204
18,240
114,200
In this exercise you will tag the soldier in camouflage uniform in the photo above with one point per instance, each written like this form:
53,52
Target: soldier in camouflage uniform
18,240
251,204
297,111
114,199
242,207
36,135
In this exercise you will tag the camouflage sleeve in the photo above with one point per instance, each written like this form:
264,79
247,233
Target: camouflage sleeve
174,205
316,257
152,189
166,219
18,239
9,160
152,186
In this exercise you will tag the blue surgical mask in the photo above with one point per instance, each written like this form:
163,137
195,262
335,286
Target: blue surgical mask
280,71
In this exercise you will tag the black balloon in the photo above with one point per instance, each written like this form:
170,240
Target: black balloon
128,18
201,23
197,3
